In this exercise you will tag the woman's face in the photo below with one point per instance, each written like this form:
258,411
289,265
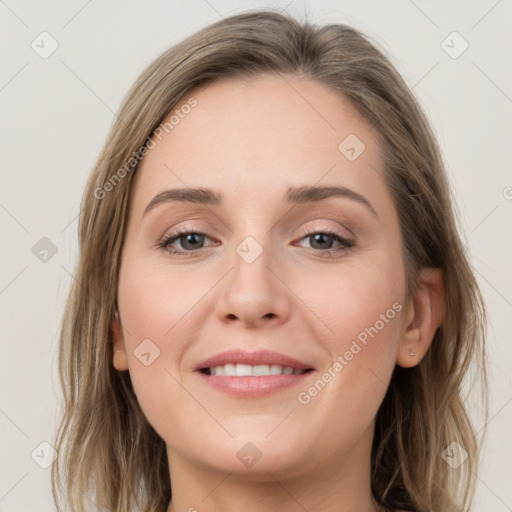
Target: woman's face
262,273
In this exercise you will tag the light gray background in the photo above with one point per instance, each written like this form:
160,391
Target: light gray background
55,115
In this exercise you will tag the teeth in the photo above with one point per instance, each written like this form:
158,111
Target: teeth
246,370
242,370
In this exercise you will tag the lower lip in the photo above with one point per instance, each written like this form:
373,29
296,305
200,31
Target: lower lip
253,387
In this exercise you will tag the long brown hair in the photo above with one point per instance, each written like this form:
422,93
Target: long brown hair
108,452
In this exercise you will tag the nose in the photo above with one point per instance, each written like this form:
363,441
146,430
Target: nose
253,293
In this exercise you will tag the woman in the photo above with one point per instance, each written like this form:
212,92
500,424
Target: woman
272,305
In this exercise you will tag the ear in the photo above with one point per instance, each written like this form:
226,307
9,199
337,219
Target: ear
425,313
120,359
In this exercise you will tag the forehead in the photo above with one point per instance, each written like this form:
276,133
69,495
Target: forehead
255,136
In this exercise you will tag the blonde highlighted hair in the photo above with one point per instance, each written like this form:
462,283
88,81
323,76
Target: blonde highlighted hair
109,454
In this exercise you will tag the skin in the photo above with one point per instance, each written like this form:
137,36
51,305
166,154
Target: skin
252,139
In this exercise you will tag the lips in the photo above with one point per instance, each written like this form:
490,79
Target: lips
248,375
243,359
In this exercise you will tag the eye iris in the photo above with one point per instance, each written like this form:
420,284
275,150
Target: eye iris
320,236
187,239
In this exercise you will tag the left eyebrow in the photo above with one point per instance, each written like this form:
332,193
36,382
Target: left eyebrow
311,194
297,195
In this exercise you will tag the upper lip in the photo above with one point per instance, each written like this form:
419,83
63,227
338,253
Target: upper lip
259,357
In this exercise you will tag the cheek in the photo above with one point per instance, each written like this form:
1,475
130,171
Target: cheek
354,299
360,308
155,308
156,300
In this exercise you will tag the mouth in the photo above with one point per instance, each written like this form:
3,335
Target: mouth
243,374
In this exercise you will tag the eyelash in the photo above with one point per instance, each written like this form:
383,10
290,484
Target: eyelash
345,243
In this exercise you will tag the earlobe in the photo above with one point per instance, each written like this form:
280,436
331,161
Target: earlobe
120,360
425,314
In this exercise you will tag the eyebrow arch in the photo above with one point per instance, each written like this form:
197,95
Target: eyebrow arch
298,195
